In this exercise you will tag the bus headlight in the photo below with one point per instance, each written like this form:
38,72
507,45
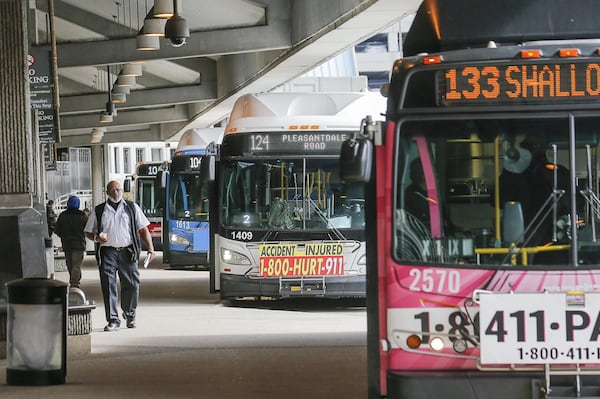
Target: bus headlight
233,257
436,343
177,239
362,260
460,345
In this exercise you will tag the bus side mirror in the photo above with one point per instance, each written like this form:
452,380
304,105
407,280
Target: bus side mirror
208,169
127,185
356,157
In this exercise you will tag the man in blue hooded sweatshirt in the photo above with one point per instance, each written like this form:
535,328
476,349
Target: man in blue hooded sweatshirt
69,227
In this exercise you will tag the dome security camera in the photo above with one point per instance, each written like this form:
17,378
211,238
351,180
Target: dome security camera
177,41
177,30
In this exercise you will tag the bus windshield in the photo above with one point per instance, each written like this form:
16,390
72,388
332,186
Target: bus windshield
498,191
289,194
188,198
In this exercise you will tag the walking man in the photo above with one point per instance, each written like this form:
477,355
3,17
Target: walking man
117,225
69,227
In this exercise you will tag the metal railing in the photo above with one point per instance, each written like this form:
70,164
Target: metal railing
60,204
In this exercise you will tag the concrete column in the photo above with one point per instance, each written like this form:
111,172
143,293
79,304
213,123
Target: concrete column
98,179
15,123
22,226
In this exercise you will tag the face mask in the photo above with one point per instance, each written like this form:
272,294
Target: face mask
116,197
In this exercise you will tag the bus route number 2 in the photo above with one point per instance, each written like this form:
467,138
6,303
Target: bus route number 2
435,280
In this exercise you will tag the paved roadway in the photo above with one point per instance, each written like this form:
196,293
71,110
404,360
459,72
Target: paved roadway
189,345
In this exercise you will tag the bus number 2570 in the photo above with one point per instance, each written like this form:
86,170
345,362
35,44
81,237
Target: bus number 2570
435,280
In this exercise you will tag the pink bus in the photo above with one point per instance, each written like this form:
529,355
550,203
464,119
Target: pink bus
483,251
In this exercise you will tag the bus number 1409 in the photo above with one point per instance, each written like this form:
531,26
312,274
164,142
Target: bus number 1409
241,235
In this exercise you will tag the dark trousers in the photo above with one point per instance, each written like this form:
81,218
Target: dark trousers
113,262
73,259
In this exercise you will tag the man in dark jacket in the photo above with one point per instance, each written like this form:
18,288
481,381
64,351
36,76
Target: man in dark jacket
69,227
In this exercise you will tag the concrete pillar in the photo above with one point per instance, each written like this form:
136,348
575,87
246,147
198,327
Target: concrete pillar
22,226
98,179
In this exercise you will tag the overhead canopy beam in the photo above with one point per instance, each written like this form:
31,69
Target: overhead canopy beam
142,135
200,44
140,98
81,17
125,118
275,35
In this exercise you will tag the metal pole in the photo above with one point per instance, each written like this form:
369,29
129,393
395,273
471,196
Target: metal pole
554,193
54,69
574,254
590,185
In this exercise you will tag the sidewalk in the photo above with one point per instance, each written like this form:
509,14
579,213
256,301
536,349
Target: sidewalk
188,345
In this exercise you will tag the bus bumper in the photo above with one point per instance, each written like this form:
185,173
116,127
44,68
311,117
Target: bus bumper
483,385
185,259
235,286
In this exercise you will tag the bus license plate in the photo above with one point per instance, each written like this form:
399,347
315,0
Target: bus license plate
539,328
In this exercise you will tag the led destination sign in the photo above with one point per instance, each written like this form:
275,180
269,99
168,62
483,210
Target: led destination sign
186,163
148,169
514,83
315,142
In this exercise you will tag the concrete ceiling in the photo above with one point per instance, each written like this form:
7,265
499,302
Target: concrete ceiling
235,47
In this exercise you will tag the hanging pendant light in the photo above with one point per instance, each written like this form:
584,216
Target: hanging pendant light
121,90
154,27
97,134
107,116
163,8
118,98
147,43
131,70
127,81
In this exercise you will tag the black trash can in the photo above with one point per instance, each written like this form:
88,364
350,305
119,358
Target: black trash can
36,340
